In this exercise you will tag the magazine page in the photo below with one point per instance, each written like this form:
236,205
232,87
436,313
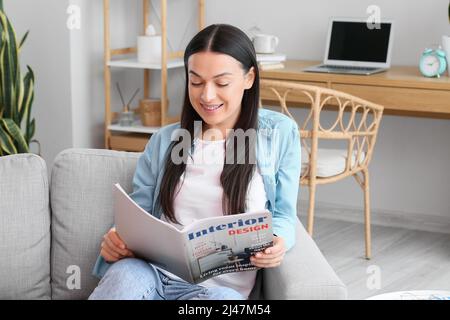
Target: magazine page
224,244
148,237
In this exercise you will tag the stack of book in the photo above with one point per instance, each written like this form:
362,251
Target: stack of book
270,61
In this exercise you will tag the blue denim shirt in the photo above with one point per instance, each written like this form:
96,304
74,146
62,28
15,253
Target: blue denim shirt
277,157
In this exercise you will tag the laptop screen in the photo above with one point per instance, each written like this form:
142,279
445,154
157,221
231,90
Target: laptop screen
354,41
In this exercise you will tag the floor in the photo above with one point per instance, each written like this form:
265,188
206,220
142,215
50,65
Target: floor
402,259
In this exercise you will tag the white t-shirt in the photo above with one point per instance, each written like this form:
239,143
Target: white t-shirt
200,197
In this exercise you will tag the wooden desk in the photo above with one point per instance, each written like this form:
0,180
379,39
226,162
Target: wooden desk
401,90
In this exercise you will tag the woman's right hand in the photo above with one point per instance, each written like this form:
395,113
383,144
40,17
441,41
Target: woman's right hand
113,247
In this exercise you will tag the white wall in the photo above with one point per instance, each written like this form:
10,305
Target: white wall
302,25
47,51
86,75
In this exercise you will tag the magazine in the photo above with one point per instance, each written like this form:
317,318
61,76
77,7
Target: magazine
201,250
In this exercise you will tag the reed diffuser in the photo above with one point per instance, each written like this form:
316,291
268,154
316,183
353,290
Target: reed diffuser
126,117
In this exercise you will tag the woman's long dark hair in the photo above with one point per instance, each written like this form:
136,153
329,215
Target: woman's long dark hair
235,177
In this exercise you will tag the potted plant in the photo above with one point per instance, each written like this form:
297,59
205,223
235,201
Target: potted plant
16,93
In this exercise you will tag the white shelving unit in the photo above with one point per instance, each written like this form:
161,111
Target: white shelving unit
133,63
135,137
137,127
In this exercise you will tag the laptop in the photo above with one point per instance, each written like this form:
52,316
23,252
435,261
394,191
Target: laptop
355,46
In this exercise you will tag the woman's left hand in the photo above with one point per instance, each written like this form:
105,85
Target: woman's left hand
271,257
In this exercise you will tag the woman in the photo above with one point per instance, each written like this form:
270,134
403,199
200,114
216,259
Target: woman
181,185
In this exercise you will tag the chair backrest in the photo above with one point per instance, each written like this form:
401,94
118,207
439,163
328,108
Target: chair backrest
357,122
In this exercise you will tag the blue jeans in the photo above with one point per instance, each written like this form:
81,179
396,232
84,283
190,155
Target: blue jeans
135,279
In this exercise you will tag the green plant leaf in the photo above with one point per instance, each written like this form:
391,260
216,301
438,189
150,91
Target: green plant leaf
31,130
26,96
16,93
6,144
3,68
15,71
28,100
23,39
10,71
16,135
2,106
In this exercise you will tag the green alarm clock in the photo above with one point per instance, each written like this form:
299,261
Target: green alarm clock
433,63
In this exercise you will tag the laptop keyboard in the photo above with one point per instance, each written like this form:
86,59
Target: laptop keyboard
330,66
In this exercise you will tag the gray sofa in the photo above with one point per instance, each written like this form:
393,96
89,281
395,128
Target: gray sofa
50,233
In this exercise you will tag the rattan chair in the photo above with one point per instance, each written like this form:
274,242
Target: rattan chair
356,123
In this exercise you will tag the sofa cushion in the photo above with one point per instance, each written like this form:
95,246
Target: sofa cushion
82,212
24,228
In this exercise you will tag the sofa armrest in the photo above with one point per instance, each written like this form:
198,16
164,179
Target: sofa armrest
303,274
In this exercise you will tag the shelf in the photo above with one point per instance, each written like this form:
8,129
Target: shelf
135,137
136,127
133,63
132,142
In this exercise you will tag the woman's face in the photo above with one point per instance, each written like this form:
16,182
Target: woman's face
216,85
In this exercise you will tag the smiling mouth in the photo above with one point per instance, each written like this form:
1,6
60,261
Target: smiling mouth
211,107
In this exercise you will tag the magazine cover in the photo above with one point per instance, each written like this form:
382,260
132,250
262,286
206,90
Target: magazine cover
201,250
221,245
